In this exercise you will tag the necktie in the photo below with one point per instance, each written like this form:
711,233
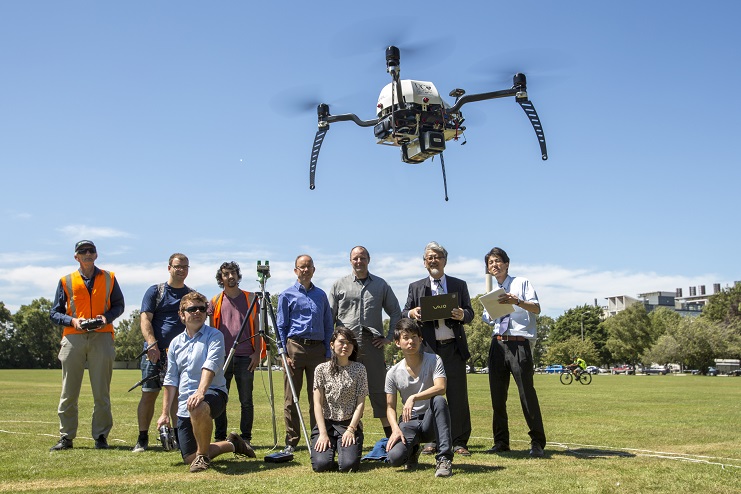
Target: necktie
503,321
439,287
504,324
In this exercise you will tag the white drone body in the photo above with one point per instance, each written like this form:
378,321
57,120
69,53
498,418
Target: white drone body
414,92
422,126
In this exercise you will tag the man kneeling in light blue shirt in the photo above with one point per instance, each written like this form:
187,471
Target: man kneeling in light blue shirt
195,375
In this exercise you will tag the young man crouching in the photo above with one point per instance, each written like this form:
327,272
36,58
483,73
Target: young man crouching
420,380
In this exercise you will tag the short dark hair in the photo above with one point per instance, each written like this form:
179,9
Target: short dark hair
495,252
229,266
407,325
177,255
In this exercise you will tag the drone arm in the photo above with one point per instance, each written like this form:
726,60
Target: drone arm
350,116
529,109
470,98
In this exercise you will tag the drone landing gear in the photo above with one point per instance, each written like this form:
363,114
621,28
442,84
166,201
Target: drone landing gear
318,139
529,109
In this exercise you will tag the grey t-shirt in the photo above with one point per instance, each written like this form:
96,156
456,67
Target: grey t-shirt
399,379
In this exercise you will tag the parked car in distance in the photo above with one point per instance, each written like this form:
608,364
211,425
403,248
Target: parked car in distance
484,370
623,369
712,371
736,373
554,369
593,369
655,370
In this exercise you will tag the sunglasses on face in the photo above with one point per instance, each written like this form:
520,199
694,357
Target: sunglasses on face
89,250
196,308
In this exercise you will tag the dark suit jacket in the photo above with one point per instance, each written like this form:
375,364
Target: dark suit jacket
423,288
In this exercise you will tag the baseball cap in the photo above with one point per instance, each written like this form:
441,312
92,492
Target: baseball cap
83,243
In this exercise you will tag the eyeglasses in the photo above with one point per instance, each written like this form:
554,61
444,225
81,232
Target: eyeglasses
181,267
89,250
196,308
433,258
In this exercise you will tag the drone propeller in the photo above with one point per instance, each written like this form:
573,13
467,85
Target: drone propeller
541,67
302,100
369,37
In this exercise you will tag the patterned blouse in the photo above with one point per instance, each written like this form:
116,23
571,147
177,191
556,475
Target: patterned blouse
341,391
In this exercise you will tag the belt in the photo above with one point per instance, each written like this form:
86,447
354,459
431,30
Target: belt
508,337
445,342
305,341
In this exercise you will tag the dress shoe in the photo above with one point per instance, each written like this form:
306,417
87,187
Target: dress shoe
497,448
101,442
536,450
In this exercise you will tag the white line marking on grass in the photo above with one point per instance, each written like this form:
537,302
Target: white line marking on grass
654,454
54,435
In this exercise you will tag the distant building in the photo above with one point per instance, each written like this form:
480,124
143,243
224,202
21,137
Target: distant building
691,305
654,300
618,304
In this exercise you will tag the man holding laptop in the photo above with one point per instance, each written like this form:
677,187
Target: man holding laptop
445,336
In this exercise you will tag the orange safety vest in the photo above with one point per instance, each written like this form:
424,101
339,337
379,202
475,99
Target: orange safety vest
82,304
216,318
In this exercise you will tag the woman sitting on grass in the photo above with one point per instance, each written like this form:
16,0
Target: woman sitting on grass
340,388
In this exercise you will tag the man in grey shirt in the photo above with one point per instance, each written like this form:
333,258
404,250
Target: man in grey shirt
358,302
420,381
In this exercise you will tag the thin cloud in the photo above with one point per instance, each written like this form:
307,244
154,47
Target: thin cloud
559,288
85,231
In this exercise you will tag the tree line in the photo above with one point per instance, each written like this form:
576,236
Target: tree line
28,338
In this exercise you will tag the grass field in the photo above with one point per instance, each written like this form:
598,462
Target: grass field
629,434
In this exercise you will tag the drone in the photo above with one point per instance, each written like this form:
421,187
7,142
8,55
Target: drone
411,115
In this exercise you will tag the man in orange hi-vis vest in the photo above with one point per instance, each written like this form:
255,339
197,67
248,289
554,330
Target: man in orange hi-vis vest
227,311
86,303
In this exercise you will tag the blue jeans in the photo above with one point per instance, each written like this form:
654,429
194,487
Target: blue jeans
238,369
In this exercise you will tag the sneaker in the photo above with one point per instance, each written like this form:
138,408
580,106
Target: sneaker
289,450
444,468
101,442
63,444
413,460
536,450
200,463
141,446
241,448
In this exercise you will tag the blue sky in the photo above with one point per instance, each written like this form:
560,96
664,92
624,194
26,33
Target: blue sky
156,127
